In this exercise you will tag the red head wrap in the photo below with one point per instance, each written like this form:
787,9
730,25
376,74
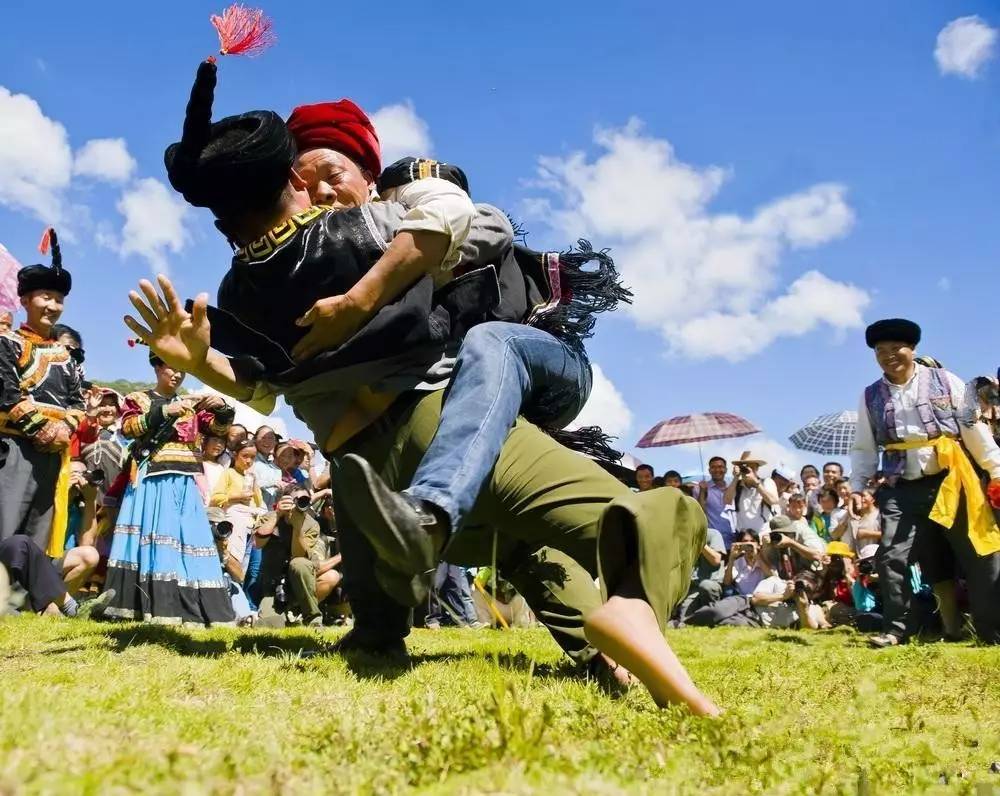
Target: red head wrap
341,126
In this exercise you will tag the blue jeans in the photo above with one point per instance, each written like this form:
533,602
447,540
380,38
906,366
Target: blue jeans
503,370
451,589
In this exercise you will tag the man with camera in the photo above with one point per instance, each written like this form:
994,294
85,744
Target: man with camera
793,536
755,498
289,542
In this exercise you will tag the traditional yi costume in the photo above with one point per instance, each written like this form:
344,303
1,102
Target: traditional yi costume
164,565
933,508
559,518
39,384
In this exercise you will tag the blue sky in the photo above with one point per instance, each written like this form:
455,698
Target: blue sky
782,140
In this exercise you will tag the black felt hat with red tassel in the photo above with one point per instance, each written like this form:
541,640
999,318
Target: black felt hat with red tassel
240,163
44,277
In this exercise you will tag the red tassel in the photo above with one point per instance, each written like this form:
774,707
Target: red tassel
243,31
43,244
993,492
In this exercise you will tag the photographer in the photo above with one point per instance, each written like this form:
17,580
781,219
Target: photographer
756,499
290,557
795,539
743,571
222,531
765,605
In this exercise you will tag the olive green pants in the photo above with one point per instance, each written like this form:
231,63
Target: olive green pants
560,522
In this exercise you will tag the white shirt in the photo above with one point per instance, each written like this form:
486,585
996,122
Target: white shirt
213,472
436,205
976,437
752,514
781,614
746,576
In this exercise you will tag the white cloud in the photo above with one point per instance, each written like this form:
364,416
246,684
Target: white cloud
401,132
106,159
154,223
606,408
35,159
706,281
944,284
964,46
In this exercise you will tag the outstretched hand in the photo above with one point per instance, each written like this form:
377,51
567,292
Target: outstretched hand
333,321
179,338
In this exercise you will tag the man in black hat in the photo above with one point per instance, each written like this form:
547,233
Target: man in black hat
918,419
41,405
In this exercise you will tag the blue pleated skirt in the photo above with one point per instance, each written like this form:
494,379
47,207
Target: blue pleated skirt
164,565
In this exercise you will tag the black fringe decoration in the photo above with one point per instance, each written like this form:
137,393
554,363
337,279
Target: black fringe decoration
591,441
585,292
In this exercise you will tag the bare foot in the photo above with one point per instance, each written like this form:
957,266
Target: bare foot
625,629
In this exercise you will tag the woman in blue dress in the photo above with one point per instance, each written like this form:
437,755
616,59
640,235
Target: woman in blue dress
164,565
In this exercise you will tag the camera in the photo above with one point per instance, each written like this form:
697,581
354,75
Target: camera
94,477
302,502
866,566
800,587
280,596
222,529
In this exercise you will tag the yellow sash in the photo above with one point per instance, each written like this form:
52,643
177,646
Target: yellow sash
961,477
60,515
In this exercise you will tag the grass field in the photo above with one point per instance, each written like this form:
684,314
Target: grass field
94,708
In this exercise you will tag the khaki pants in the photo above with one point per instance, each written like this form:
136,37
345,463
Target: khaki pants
560,522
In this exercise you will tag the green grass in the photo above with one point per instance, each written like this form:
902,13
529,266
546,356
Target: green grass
92,708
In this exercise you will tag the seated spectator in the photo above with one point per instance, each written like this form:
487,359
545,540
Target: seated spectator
288,458
836,585
232,567
767,605
451,599
829,515
644,477
290,556
707,577
237,494
672,478
744,570
49,584
798,539
867,594
6,321
861,525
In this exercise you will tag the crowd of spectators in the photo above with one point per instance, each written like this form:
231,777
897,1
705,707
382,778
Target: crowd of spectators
783,549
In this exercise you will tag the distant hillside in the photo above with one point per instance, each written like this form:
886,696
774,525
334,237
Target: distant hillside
124,387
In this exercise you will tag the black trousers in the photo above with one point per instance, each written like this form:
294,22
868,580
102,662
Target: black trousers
909,537
31,568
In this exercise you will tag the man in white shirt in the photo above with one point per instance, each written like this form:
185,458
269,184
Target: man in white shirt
910,405
755,498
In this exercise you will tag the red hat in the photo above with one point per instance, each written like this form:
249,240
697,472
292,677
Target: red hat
341,126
